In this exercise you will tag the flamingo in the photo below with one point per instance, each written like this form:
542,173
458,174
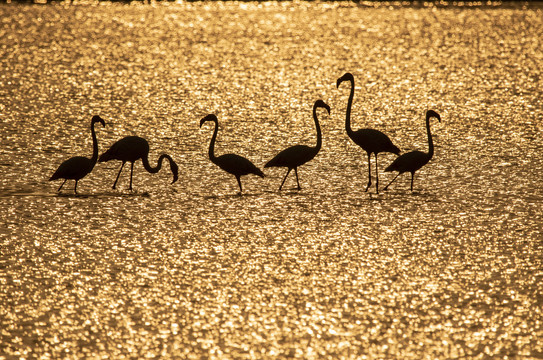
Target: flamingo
231,163
414,160
78,167
132,148
370,140
297,155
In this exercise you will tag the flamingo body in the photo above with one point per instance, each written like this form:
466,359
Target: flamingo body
74,168
237,165
78,167
297,155
292,157
409,162
231,163
374,141
132,148
370,140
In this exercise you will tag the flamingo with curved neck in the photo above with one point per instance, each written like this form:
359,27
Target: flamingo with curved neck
414,160
297,155
132,148
370,140
78,167
231,163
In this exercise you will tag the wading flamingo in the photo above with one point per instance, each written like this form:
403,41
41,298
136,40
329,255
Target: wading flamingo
370,140
231,163
78,167
414,160
298,155
132,148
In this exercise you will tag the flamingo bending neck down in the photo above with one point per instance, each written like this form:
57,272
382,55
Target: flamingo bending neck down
132,148
414,160
370,140
231,163
78,167
298,155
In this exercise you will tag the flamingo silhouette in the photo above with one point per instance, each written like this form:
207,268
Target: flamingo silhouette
370,140
78,167
298,155
132,148
231,163
414,160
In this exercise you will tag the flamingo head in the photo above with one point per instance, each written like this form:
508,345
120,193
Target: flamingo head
175,171
346,77
322,104
96,119
210,117
432,113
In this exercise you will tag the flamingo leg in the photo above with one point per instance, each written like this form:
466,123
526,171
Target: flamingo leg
131,173
369,172
118,174
75,187
288,172
376,175
61,185
395,177
412,178
297,181
238,178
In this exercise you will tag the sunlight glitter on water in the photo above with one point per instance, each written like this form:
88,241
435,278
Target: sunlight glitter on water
192,270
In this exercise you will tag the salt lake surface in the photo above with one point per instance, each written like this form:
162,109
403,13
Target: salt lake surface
192,270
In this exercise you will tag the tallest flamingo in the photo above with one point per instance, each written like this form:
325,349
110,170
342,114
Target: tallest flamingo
370,140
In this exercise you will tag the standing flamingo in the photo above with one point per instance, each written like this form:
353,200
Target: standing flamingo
231,163
370,140
78,167
132,148
298,155
414,160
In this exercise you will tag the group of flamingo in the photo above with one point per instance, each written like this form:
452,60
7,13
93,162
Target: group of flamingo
133,148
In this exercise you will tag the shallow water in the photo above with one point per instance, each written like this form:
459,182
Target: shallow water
192,270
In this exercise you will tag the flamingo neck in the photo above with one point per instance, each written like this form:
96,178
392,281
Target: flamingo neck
430,141
317,125
349,106
212,156
149,168
173,165
94,157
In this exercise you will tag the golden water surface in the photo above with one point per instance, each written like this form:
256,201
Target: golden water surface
192,270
